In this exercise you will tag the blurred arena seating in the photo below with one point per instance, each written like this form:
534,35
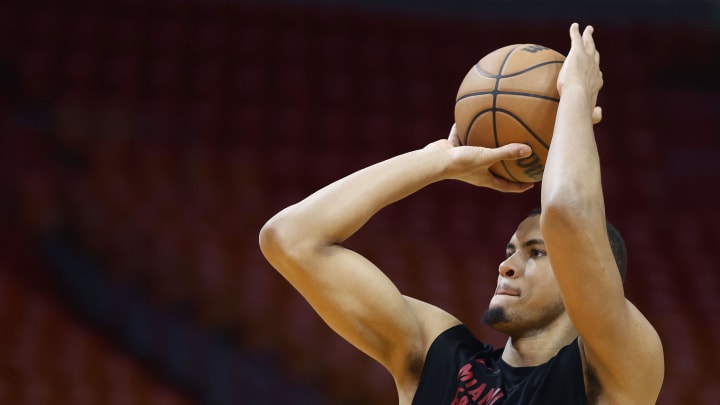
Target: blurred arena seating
154,139
50,355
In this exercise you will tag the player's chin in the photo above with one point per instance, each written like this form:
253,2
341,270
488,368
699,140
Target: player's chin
495,315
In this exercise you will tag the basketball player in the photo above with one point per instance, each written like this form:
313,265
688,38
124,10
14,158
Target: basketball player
573,337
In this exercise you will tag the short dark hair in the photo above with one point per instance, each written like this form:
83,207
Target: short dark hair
617,244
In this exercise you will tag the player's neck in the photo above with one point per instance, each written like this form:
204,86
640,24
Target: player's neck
540,346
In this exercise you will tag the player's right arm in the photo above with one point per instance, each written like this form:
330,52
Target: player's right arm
304,243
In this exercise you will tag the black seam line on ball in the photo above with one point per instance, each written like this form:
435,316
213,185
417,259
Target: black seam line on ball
501,76
508,93
531,68
507,171
495,90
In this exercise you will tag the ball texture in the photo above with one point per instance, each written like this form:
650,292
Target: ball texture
509,96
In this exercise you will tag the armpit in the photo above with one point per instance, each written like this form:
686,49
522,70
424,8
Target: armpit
593,388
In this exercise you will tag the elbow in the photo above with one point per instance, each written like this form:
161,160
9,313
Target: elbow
570,213
270,240
275,241
282,243
555,218
572,199
560,203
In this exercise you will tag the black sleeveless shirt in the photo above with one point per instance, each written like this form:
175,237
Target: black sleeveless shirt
461,370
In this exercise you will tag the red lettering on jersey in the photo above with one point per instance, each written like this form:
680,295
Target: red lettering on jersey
470,393
460,401
477,392
465,373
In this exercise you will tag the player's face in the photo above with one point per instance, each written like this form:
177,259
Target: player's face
527,297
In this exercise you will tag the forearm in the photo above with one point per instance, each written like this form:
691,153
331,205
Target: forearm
335,212
571,180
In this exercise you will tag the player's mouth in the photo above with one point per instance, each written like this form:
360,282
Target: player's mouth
507,290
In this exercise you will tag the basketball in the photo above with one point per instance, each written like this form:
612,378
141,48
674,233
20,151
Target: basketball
509,96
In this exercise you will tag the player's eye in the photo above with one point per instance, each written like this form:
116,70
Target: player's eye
536,253
509,253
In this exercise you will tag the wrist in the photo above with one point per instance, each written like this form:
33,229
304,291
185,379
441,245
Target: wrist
576,91
436,158
579,96
573,89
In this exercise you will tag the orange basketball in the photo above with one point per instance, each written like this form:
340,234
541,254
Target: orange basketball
509,96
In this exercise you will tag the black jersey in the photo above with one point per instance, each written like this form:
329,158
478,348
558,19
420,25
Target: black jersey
461,370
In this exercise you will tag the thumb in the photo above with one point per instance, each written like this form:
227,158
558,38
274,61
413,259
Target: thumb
512,151
597,115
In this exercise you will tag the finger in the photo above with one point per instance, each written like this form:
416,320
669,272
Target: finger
588,40
597,56
575,37
453,137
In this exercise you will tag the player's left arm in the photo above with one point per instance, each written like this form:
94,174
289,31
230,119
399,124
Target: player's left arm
620,345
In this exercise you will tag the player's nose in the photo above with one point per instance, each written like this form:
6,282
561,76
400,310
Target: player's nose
509,267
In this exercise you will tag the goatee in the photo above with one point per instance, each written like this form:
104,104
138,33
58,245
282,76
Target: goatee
495,315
